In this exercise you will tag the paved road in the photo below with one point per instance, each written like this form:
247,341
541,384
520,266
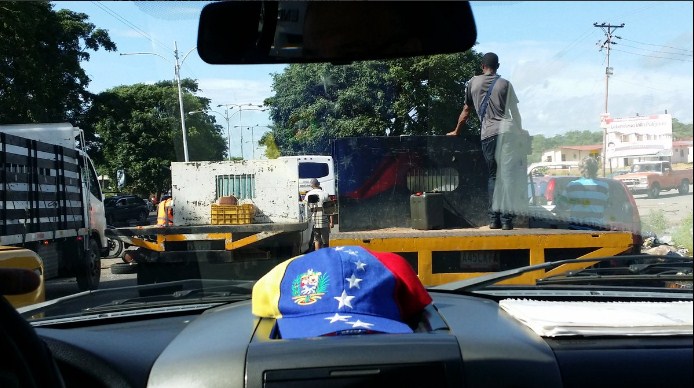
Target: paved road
675,206
56,288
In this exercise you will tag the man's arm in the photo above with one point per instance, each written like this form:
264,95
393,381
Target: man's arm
462,119
515,113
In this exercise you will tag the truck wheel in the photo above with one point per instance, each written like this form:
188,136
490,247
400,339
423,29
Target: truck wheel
115,248
88,271
654,191
123,268
684,187
143,216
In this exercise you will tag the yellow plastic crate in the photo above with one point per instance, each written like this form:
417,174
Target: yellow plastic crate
232,214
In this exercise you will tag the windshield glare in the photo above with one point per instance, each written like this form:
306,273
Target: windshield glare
507,155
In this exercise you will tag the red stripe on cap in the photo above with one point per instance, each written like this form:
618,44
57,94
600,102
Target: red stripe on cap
410,294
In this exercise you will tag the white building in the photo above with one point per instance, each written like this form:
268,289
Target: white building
633,139
681,151
572,153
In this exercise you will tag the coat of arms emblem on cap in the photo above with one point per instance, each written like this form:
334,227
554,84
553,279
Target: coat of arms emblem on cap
309,287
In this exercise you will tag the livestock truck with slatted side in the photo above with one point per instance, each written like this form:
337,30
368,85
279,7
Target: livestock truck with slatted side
51,200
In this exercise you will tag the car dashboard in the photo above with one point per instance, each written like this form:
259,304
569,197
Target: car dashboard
459,341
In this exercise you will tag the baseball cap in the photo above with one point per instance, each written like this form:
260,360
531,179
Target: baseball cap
340,290
491,60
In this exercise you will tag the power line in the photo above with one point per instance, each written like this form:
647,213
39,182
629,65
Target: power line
131,25
653,56
138,30
655,51
657,45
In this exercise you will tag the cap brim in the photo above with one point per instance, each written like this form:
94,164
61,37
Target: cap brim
329,323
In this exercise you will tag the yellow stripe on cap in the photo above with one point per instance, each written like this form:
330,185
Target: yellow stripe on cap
266,291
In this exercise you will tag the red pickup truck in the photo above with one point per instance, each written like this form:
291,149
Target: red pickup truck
655,176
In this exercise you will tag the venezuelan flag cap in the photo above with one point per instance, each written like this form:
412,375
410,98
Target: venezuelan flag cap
341,290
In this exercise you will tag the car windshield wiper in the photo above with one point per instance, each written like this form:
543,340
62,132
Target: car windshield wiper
160,295
481,282
675,273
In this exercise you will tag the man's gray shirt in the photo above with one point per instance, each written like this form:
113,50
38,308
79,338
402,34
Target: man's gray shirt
502,95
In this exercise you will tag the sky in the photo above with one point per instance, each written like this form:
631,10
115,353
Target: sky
550,51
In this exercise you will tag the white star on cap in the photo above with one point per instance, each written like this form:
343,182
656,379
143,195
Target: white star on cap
352,252
360,265
344,299
353,281
359,323
338,318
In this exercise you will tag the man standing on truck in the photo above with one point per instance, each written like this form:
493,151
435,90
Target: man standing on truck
585,199
322,223
493,98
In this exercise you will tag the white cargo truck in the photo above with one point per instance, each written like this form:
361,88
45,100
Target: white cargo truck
51,201
243,241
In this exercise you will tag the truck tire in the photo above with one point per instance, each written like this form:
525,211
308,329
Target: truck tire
115,248
142,217
654,191
88,269
123,268
684,187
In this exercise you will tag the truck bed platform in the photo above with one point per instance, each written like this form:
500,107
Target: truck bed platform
445,255
194,229
157,237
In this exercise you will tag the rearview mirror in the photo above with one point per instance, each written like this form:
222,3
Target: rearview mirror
265,32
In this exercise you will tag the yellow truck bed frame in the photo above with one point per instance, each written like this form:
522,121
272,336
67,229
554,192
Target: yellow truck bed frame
425,246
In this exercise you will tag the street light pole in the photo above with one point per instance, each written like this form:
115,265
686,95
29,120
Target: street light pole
240,108
180,104
252,127
177,76
226,118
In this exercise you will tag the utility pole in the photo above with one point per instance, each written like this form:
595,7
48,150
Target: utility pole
180,103
609,30
177,76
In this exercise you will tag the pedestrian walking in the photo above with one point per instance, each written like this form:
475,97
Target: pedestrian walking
322,222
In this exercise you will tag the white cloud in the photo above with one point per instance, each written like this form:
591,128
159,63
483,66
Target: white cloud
564,90
235,91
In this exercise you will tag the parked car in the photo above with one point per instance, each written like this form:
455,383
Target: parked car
124,208
655,176
21,258
621,212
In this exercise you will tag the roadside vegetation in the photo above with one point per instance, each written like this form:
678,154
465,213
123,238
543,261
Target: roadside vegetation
657,222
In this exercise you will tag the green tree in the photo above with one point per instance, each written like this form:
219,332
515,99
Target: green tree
137,129
315,103
41,79
682,131
271,150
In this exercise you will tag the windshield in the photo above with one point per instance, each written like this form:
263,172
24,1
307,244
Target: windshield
464,163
